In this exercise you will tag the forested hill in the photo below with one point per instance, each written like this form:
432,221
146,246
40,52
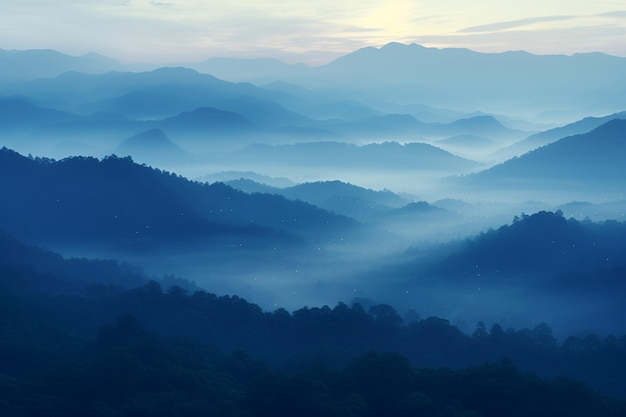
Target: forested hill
544,242
161,353
85,198
24,267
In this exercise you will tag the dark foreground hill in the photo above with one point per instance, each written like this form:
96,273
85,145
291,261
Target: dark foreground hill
148,351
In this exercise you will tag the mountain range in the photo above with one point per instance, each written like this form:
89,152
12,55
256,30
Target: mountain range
543,86
388,155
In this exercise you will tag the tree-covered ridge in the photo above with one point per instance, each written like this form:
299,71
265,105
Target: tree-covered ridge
38,329
544,243
125,370
84,198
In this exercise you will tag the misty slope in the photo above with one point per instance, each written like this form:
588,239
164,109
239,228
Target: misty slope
544,138
322,192
175,95
28,64
28,268
541,267
468,146
115,199
255,177
343,198
18,114
205,127
387,155
153,147
408,126
382,208
537,246
593,159
157,94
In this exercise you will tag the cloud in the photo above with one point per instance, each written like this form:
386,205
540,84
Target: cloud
161,4
512,24
615,13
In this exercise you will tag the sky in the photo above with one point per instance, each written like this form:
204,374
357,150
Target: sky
313,32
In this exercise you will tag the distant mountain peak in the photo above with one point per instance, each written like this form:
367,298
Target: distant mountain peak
150,137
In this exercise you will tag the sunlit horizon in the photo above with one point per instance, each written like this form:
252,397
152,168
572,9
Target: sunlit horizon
315,34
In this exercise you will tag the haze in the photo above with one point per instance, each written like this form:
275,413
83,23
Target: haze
299,31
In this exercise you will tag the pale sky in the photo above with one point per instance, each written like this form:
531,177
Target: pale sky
311,31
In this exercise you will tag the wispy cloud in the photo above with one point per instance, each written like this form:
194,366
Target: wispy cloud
615,13
513,24
176,30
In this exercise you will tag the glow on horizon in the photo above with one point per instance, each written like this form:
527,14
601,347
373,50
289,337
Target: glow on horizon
169,31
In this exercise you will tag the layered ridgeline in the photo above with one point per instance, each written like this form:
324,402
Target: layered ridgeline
548,86
19,65
114,199
384,208
393,79
552,135
92,114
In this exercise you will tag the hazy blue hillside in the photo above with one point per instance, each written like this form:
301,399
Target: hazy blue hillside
409,127
589,162
469,146
250,186
376,208
319,105
468,142
357,202
388,155
46,63
83,91
153,147
228,176
204,120
546,137
260,70
35,269
486,126
320,192
19,114
177,95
